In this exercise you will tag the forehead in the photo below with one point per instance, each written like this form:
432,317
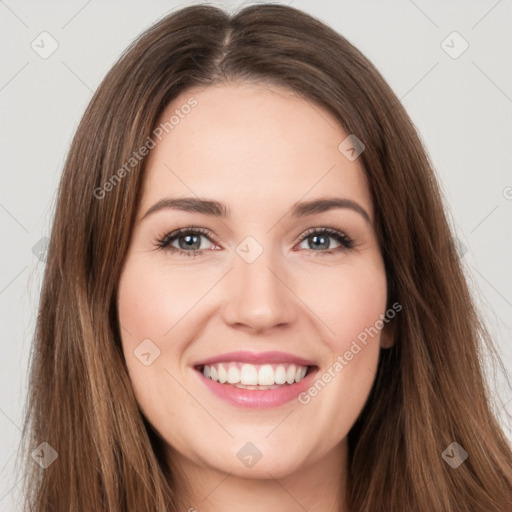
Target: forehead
251,145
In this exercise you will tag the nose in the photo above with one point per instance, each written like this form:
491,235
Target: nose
258,297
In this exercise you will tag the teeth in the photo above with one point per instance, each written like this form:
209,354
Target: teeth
280,375
266,375
290,374
301,373
249,375
254,375
233,375
223,375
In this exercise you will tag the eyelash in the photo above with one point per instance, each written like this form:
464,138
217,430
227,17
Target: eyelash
164,242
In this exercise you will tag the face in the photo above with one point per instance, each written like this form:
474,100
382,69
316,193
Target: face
252,338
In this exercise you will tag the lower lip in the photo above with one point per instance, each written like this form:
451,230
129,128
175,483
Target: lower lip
257,398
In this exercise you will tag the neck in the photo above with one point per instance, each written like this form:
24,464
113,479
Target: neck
319,486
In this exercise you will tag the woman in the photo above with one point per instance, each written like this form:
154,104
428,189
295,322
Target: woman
318,351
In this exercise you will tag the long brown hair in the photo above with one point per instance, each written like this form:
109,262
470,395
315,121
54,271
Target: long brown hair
430,389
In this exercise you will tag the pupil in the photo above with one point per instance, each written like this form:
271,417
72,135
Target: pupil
189,242
321,237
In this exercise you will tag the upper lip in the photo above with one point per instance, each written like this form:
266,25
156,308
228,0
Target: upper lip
256,358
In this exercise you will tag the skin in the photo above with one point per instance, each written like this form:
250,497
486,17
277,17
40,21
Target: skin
259,149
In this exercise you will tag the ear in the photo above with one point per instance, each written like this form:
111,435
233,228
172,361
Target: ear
387,335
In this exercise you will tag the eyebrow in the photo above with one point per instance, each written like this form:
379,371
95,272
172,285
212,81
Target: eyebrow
218,209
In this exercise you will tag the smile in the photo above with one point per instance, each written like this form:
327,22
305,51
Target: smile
256,380
252,376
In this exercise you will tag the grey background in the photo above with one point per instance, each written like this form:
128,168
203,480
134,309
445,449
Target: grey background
461,107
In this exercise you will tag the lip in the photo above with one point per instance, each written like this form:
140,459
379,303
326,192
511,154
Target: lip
256,358
255,398
258,399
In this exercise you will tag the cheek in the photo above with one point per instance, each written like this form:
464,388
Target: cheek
351,307
349,301
152,299
149,305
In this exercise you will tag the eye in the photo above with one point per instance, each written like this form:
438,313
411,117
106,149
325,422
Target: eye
188,241
319,238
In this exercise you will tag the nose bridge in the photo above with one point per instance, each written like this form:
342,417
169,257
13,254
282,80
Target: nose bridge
257,294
